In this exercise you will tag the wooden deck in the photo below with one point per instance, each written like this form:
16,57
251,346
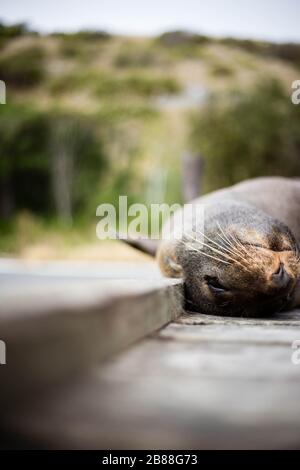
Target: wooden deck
118,364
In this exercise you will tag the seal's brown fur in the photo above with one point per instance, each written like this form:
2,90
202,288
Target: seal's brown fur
260,271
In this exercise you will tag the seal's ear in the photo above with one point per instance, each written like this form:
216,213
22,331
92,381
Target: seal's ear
167,259
173,269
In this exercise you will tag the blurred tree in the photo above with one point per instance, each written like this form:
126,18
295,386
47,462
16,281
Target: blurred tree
179,37
24,67
23,169
245,134
48,161
77,162
12,31
192,172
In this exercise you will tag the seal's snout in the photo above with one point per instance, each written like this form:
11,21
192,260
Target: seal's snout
280,278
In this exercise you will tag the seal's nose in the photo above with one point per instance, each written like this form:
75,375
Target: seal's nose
281,278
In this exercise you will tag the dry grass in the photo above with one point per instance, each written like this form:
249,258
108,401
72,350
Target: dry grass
98,251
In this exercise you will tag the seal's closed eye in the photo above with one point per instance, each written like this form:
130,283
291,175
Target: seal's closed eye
214,284
273,247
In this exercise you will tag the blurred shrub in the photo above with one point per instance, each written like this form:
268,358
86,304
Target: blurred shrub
221,70
48,161
71,49
18,233
82,45
24,179
24,67
109,85
67,83
13,31
8,32
28,229
84,35
136,84
182,44
248,45
289,52
176,38
77,160
70,82
111,113
136,57
247,134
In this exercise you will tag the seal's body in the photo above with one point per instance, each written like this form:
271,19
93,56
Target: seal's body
244,260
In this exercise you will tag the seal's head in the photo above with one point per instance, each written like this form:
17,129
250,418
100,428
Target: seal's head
245,265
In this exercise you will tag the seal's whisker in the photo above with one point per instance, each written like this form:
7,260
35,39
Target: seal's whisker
228,250
238,243
210,247
234,246
210,256
201,252
234,251
226,239
217,251
205,244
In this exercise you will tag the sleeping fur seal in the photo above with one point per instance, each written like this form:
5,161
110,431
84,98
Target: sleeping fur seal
248,262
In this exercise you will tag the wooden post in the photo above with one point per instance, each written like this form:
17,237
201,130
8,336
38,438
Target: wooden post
192,172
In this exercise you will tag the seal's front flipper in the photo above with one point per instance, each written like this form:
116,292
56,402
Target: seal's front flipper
145,245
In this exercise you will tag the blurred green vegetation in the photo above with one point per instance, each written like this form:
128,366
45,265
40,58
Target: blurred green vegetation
289,52
27,230
221,70
131,55
105,85
49,161
87,35
179,38
136,84
245,134
188,43
81,45
13,31
23,68
90,116
183,44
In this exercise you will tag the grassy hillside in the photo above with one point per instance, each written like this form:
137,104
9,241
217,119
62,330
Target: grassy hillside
126,102
141,89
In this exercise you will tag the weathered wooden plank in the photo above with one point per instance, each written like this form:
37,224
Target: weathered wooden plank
163,411
272,334
291,318
177,393
208,359
53,330
202,382
13,270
